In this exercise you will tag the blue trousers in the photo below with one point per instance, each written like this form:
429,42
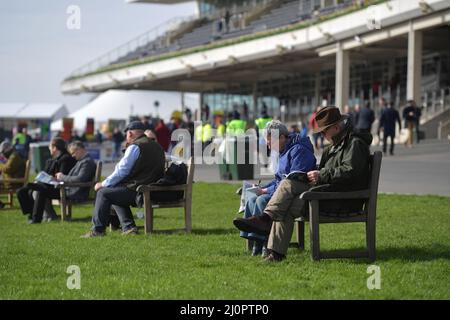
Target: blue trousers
120,198
254,206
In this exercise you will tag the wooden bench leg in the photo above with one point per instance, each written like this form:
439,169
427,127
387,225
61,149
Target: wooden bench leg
314,229
249,244
187,217
69,211
10,199
370,239
301,234
63,204
148,212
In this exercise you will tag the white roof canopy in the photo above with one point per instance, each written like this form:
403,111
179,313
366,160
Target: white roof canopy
52,111
121,104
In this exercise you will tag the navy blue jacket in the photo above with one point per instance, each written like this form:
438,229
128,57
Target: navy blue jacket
389,116
365,119
298,155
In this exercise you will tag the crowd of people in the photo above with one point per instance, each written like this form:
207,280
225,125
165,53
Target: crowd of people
268,210
143,162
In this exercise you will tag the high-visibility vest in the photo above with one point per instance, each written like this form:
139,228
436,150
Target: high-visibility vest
199,133
221,130
207,132
236,127
262,122
20,137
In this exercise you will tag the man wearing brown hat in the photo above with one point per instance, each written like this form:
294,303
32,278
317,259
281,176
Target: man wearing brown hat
344,166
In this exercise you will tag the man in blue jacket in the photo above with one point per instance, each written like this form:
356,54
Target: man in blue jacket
295,154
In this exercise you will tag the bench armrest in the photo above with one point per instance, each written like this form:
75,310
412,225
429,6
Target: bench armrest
12,180
75,185
149,188
311,195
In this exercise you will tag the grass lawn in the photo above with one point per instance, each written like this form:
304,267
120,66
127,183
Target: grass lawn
413,247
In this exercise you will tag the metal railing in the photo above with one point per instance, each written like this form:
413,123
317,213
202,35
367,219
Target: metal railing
444,130
435,102
161,31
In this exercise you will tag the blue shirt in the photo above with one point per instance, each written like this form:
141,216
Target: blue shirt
123,168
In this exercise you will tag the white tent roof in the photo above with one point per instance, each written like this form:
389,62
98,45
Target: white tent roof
52,111
10,110
120,104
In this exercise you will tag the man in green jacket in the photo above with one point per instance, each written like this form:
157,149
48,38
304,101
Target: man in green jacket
344,166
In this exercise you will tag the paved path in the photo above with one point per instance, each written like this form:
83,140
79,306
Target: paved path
424,169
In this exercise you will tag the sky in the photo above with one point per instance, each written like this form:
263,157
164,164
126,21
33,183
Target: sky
38,50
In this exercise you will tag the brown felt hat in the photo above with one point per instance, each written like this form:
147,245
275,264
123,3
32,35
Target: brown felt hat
327,117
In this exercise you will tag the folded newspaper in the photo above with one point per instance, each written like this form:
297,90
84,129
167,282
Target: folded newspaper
296,175
44,177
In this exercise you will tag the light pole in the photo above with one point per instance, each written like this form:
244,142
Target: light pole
156,105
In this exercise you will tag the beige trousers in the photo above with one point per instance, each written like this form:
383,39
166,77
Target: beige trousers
284,207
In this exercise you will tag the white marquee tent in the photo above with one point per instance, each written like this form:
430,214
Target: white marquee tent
121,104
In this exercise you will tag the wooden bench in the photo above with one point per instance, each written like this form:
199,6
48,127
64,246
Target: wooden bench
367,216
66,204
13,182
185,202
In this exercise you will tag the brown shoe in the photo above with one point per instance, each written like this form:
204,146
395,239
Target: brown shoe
254,224
132,231
274,257
93,234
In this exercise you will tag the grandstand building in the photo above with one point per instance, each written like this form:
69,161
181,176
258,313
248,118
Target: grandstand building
290,56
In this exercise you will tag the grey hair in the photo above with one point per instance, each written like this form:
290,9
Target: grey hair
276,125
76,145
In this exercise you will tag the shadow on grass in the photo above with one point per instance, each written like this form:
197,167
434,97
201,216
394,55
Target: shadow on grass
201,232
411,254
81,219
215,231
406,254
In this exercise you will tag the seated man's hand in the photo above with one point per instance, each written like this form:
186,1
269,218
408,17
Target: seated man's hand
98,186
261,191
313,176
59,176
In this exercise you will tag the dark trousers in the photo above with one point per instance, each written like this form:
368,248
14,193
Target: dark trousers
32,207
385,137
120,199
35,207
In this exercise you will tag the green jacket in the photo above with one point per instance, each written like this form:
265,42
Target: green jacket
13,168
344,166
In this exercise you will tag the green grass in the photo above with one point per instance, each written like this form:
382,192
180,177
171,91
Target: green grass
413,246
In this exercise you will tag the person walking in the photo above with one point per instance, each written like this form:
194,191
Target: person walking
117,138
389,117
365,119
410,118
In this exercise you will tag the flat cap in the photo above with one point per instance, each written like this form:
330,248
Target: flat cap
136,125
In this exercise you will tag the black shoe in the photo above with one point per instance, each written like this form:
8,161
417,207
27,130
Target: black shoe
33,221
2,205
255,224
